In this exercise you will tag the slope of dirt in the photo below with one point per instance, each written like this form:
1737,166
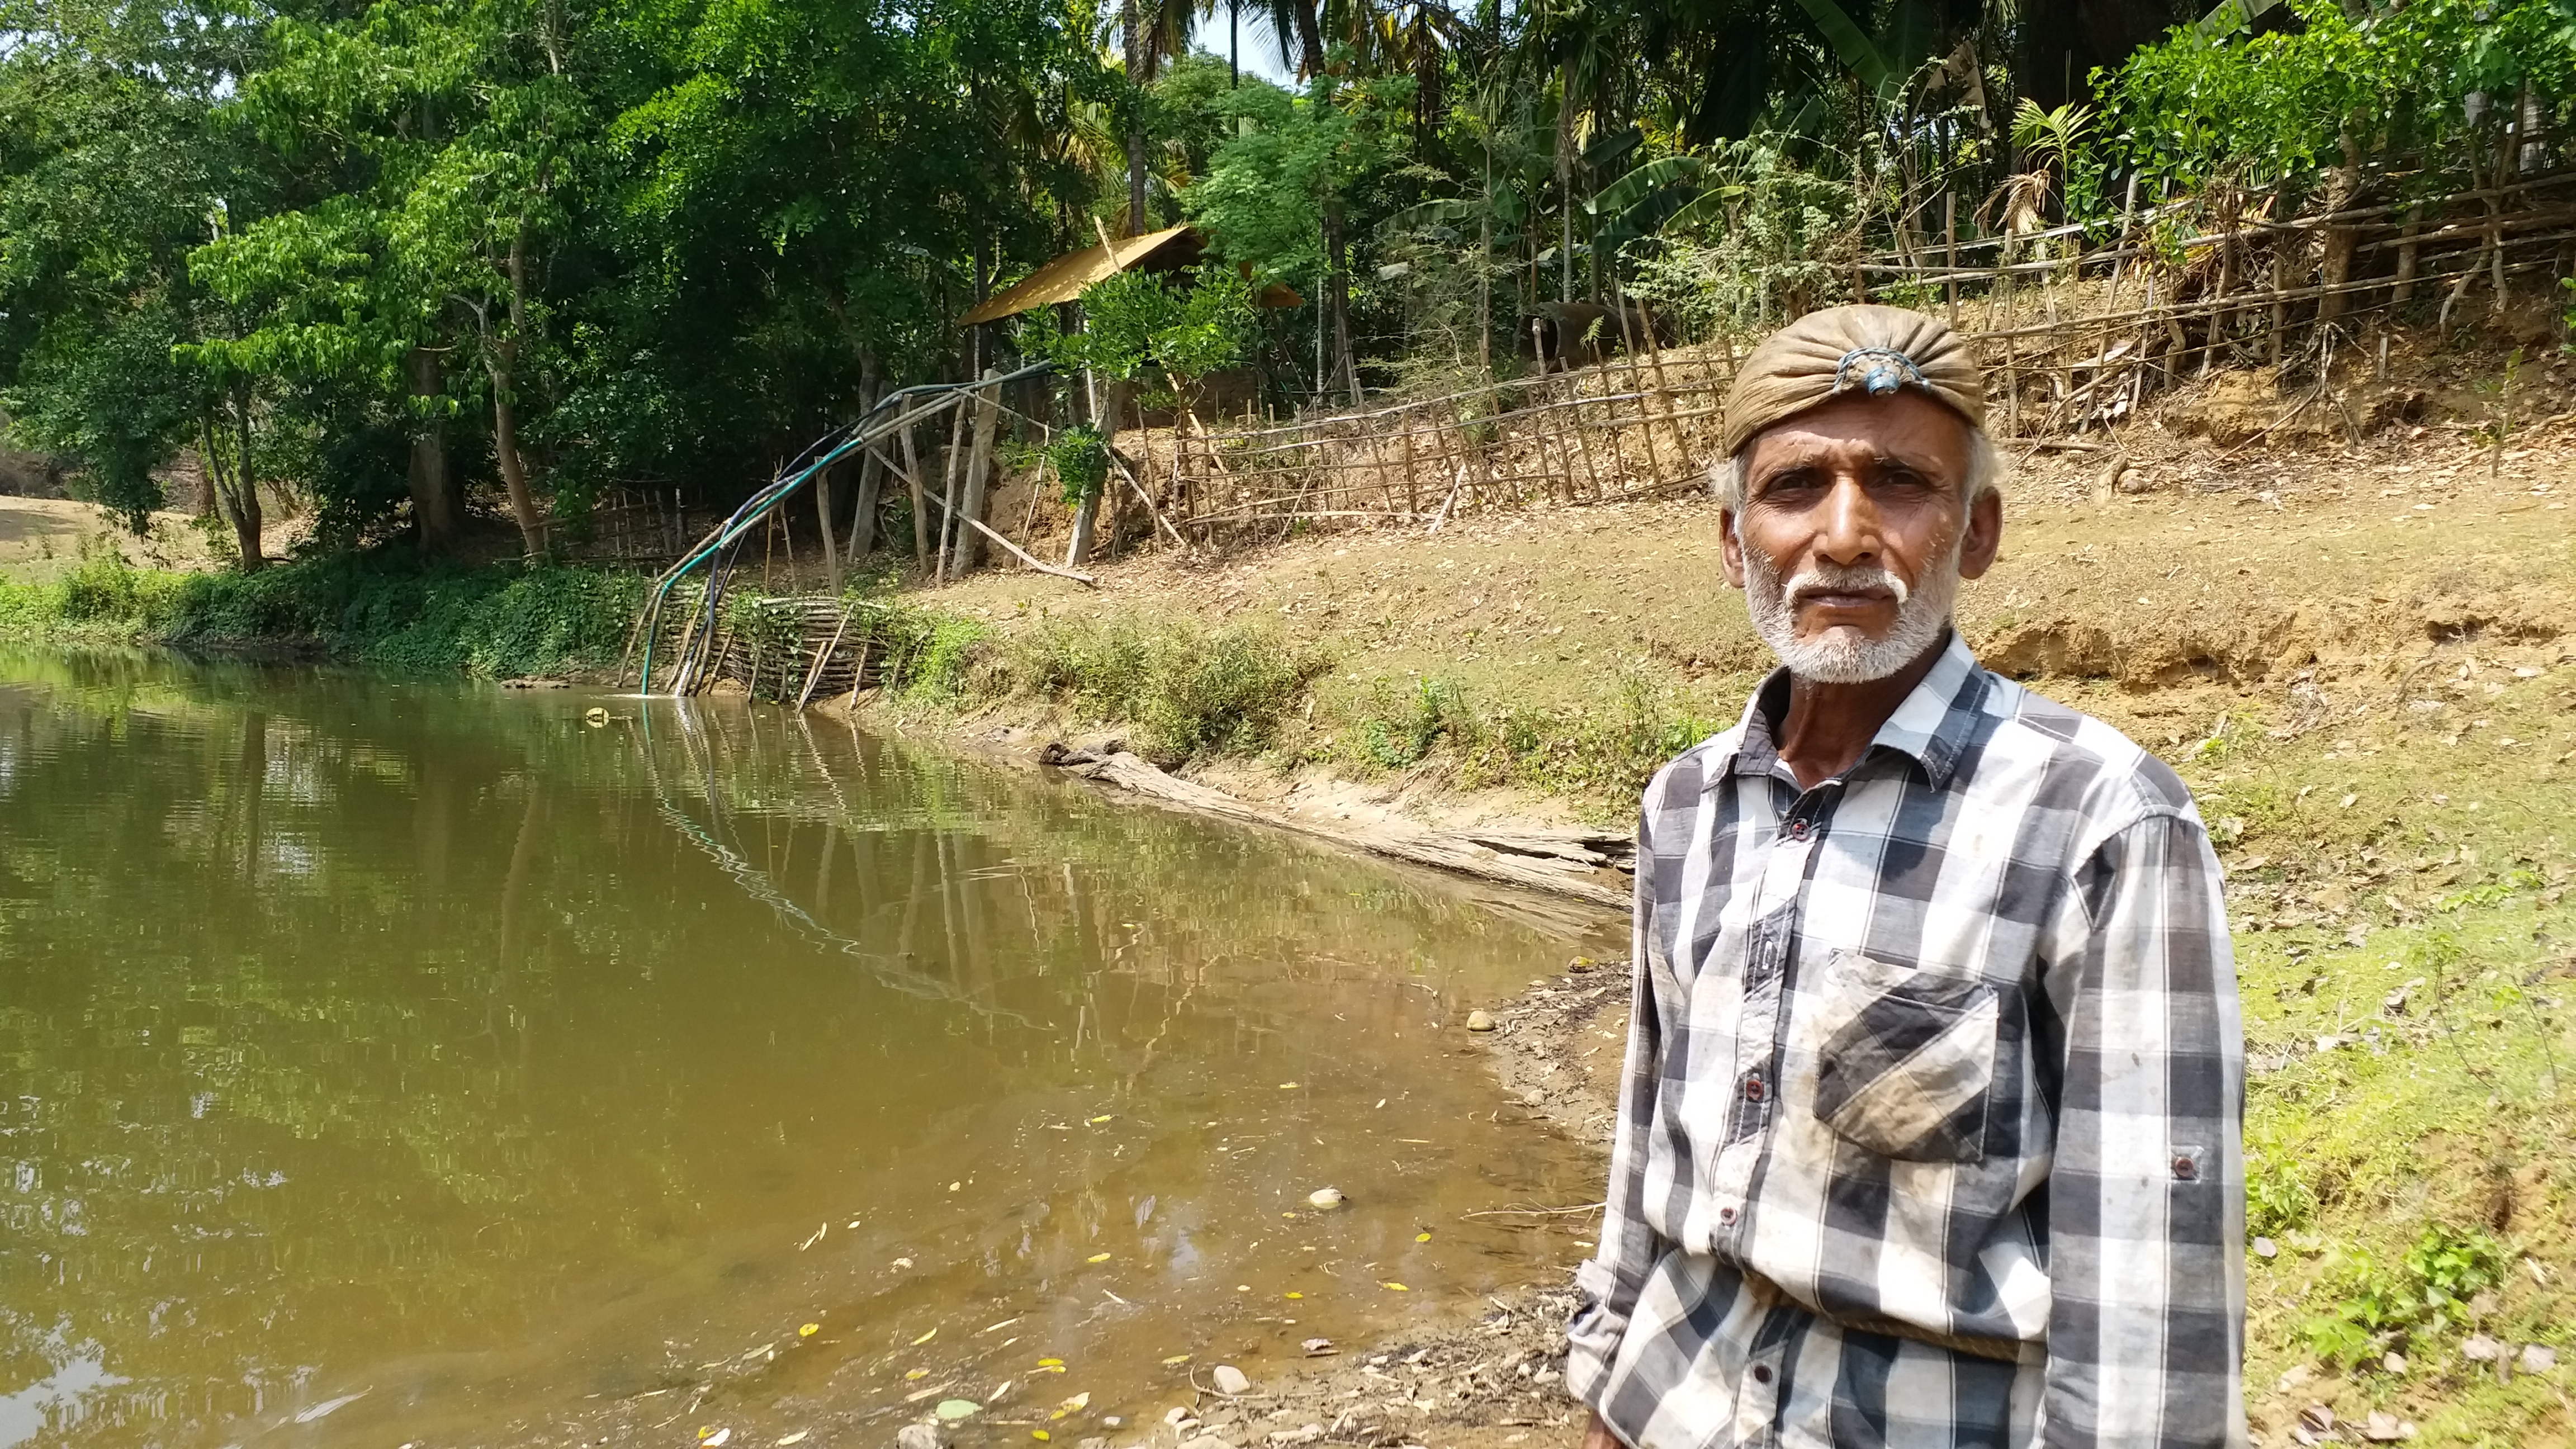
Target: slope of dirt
2159,587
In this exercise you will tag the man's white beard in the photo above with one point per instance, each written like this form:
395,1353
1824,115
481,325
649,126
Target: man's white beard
1843,654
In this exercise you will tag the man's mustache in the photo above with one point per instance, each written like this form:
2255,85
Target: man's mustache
1836,579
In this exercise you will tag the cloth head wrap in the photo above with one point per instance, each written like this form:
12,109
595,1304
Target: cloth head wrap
1871,351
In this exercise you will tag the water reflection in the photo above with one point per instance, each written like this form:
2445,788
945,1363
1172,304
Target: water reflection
381,1053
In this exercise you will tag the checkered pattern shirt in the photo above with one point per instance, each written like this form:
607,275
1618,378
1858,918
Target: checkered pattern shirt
1929,1133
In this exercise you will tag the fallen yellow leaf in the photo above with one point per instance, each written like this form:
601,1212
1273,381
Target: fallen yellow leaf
1296,1295
914,1376
1176,1360
1287,1086
1050,1363
925,1338
1096,1121
1100,1257
1398,1287
1422,1237
1074,1405
1040,1434
809,1330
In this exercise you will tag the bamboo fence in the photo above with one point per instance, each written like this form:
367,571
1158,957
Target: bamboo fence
2071,341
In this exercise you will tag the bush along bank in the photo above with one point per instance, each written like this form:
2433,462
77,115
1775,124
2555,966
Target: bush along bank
381,608
1189,694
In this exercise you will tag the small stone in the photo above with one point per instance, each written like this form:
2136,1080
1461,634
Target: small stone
919,1436
1302,1434
2479,1348
2538,1358
1111,1420
1581,963
2317,1419
1326,1198
2383,1427
1479,1021
2266,1248
1205,1441
2298,1374
954,1410
2393,1362
1318,1347
1177,1414
1230,1381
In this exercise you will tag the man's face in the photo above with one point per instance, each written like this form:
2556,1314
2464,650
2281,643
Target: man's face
1854,533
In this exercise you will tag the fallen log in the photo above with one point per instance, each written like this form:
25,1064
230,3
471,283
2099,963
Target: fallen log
1569,863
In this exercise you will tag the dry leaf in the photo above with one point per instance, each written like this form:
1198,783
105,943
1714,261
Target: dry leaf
925,1338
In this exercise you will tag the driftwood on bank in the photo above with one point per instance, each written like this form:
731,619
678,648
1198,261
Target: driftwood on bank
1572,863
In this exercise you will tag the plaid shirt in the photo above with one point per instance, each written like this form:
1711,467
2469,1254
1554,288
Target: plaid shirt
1930,1127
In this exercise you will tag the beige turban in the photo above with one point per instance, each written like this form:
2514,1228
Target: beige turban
1866,350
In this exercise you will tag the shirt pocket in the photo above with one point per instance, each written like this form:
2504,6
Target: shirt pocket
1907,1064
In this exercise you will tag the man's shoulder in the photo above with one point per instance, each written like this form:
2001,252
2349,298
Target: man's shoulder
1685,775
2087,764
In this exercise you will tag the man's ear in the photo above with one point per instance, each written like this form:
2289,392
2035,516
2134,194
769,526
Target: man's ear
1985,534
1730,548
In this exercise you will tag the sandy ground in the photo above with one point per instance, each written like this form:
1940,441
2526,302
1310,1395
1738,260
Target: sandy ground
43,538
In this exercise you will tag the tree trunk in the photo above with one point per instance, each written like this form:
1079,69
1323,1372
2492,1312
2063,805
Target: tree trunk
823,517
863,522
1565,189
1310,37
1134,25
1341,298
920,503
1086,515
968,550
437,513
245,500
2343,185
500,359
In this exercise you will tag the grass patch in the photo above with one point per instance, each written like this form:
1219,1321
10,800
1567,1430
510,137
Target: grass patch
2398,879
383,608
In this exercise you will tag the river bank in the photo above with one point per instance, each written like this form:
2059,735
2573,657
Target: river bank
2358,655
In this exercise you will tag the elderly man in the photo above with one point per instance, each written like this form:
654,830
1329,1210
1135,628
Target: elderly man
1930,1126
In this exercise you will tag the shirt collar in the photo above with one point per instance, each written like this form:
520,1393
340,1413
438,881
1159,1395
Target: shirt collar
1930,727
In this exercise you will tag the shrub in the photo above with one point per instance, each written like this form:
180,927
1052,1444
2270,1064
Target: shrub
1189,692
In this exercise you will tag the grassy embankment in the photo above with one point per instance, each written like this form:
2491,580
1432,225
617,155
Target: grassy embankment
379,609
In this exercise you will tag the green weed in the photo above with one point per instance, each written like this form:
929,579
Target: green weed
1190,692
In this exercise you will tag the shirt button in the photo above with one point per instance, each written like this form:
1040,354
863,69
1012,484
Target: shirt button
1753,1088
1762,1373
2185,1168
1726,1215
1797,830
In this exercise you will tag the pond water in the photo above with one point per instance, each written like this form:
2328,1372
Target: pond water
420,1064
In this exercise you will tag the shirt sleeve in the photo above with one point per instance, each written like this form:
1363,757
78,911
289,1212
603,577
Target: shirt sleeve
2146,1195
1611,1279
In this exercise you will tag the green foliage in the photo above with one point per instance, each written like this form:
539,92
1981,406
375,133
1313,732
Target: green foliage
1190,692
2277,1199
389,609
2279,106
1080,457
1134,322
2429,1289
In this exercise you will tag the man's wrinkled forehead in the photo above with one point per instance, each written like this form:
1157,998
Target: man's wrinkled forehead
1871,436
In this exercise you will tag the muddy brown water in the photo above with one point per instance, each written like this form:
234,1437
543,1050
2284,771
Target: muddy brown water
398,1063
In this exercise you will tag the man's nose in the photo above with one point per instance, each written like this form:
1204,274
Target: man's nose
1848,532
